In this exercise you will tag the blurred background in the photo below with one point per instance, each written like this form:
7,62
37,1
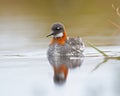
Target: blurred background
24,67
26,21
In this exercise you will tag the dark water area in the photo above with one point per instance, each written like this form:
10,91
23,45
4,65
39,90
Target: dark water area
24,66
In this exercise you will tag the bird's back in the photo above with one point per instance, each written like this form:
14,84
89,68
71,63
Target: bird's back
76,44
73,46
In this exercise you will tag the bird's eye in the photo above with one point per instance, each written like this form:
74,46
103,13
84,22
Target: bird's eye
58,28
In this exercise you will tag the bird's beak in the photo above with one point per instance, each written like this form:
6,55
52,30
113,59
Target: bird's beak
49,35
52,33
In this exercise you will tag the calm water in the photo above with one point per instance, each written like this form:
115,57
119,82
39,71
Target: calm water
27,72
24,67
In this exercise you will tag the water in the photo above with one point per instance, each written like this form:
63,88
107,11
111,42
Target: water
27,72
24,67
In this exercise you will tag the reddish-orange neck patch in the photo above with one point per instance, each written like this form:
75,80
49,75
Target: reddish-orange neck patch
62,68
60,40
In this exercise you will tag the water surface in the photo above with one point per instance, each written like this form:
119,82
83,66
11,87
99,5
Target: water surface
27,72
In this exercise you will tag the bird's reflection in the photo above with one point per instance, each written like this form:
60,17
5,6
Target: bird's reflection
61,65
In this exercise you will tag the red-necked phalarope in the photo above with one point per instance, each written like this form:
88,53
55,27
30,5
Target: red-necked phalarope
61,45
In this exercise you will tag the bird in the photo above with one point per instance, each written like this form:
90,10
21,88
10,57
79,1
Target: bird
62,45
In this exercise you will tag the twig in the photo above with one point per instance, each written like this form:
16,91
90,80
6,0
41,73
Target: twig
98,65
97,49
116,25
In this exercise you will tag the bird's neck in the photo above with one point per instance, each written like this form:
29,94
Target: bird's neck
59,40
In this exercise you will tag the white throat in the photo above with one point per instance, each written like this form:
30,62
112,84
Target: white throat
59,35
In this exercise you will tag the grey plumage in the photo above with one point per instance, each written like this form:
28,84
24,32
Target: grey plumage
73,46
